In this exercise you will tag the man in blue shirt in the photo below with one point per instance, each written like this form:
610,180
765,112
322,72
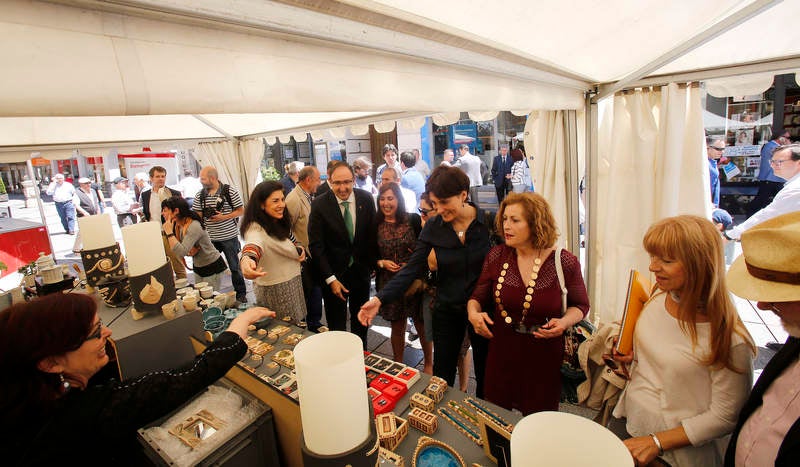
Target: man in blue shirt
714,148
411,179
769,184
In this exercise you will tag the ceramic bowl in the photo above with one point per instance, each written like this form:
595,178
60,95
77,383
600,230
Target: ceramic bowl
181,283
200,285
212,312
207,292
215,324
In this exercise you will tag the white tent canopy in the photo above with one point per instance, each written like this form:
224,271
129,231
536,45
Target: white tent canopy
86,73
167,58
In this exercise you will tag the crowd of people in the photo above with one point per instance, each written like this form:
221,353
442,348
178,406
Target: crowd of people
497,283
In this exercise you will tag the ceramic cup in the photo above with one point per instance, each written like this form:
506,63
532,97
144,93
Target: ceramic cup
207,292
189,302
231,301
221,301
182,291
181,283
170,309
200,285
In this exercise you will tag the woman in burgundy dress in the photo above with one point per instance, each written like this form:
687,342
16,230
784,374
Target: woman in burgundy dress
517,305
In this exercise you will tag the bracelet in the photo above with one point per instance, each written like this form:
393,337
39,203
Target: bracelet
170,235
725,234
658,444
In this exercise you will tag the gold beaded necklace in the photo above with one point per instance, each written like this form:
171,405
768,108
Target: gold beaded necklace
526,305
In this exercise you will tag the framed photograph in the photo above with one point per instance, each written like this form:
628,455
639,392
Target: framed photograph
496,441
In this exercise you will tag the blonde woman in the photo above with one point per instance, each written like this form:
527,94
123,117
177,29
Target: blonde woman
692,356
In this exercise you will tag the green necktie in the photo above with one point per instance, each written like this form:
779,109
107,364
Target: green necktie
348,219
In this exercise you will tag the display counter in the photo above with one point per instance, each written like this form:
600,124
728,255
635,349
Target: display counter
286,410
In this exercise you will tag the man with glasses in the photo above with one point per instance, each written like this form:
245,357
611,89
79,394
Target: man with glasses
785,163
769,184
715,145
342,239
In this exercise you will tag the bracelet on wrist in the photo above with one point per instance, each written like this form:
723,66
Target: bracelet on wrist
658,444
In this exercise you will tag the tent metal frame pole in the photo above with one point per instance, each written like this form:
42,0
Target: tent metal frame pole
727,23
32,176
571,142
591,223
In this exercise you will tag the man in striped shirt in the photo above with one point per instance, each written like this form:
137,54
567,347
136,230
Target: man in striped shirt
220,205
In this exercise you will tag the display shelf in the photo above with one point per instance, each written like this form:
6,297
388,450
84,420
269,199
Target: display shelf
286,412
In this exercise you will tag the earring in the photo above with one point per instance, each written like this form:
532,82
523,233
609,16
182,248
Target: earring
65,386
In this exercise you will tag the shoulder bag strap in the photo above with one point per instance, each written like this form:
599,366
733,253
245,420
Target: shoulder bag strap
560,274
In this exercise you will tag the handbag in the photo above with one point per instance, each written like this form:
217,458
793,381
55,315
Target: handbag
571,372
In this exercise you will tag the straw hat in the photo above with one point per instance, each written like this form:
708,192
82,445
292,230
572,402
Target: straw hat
769,268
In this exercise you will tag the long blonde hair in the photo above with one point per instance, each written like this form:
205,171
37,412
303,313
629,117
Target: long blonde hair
695,242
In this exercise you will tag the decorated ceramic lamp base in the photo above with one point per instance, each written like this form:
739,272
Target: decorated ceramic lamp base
152,290
363,455
102,263
115,291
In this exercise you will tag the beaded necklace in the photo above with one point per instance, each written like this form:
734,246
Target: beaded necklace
526,305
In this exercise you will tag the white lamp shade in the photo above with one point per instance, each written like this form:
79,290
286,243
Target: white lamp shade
332,387
558,438
96,231
143,247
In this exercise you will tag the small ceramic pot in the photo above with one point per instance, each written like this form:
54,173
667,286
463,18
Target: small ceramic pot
200,285
231,301
52,274
181,283
170,309
207,292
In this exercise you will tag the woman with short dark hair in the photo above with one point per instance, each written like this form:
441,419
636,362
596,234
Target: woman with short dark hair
56,406
460,239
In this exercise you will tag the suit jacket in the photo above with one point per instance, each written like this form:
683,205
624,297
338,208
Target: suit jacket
331,248
299,208
789,452
500,170
146,202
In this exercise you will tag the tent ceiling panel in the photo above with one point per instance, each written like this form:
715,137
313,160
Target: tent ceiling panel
761,38
34,131
147,66
601,40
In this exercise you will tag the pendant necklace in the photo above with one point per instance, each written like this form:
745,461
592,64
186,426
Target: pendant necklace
526,305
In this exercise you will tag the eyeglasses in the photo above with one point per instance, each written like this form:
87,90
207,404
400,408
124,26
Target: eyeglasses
777,162
424,212
97,333
716,148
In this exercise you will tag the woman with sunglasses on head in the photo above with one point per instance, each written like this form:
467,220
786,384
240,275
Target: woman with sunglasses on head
397,235
187,236
59,406
460,239
692,356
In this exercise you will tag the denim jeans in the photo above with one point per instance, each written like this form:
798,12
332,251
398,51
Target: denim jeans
231,248
67,214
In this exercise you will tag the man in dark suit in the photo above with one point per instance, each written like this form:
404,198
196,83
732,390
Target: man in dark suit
768,430
151,210
501,172
342,237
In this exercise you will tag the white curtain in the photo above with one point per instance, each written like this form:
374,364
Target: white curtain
251,152
224,156
546,147
652,165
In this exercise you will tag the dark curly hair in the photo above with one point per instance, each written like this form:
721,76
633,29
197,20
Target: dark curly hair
254,212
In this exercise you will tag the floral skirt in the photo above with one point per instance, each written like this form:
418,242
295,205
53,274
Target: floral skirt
285,299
